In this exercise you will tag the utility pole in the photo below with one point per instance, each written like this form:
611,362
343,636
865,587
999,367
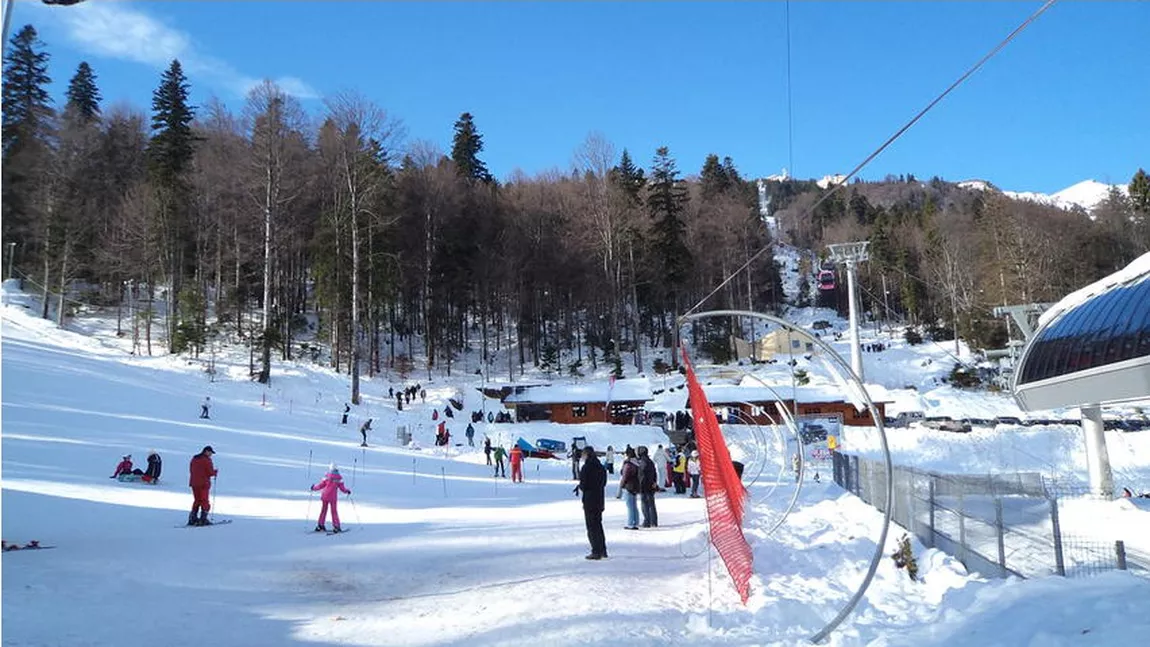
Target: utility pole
850,255
886,301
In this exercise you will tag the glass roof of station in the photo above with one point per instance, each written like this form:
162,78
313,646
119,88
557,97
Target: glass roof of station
1109,328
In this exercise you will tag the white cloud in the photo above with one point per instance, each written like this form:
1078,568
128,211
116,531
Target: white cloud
116,30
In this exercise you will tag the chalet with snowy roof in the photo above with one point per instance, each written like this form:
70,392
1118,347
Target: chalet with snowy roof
753,402
614,401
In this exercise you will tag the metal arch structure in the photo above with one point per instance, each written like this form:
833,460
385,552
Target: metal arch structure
880,544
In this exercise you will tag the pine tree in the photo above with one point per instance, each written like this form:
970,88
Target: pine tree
83,95
629,178
1140,192
169,159
27,105
170,151
465,148
27,147
666,201
714,179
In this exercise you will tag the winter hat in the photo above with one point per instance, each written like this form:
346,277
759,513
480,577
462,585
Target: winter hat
333,468
207,450
695,454
127,457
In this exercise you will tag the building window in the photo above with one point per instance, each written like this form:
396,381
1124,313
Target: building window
578,411
756,410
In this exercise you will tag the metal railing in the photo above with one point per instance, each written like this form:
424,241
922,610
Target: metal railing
997,525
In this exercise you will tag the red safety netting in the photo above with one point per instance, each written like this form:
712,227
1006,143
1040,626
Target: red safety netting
722,487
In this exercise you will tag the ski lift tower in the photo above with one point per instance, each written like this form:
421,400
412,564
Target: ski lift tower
850,255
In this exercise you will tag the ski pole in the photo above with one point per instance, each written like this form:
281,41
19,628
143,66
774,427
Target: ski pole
443,472
354,509
354,464
311,493
215,486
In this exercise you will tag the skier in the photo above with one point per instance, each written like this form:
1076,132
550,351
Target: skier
363,429
516,464
487,448
123,467
155,465
592,482
609,460
205,407
398,401
470,433
423,395
499,469
346,410
202,470
331,485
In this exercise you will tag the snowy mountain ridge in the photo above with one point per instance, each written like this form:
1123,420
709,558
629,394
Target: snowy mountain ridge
1085,194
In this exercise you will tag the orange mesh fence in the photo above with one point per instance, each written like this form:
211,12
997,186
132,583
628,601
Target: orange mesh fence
722,487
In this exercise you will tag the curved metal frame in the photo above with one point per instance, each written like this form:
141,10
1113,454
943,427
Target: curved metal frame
880,545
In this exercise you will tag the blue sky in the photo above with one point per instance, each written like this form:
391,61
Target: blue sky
1066,101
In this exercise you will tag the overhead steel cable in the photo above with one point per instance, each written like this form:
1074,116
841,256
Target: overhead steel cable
836,186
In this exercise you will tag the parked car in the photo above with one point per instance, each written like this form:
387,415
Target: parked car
906,417
1009,420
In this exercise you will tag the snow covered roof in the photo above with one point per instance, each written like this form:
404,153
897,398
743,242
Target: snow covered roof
631,390
751,390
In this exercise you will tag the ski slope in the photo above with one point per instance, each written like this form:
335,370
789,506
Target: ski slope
440,552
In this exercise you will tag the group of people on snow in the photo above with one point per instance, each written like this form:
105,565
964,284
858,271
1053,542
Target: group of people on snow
406,395
125,470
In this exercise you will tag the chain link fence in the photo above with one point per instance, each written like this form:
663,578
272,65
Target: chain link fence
997,525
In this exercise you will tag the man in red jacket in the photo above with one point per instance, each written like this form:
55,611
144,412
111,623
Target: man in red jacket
202,470
516,464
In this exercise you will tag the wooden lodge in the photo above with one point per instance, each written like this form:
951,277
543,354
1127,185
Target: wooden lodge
614,401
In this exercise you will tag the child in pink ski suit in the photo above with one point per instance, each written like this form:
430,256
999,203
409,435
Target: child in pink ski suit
331,486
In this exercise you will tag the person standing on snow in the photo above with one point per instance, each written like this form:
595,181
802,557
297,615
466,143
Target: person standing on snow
609,460
516,464
470,433
659,458
331,486
629,488
346,410
648,485
205,407
363,429
487,448
695,471
499,454
592,482
574,456
202,470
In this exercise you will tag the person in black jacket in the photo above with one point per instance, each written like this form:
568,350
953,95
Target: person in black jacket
648,485
592,482
155,466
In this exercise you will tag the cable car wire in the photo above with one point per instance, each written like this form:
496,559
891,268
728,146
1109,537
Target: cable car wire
841,183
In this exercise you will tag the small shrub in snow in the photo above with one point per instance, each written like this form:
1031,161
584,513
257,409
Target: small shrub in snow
904,558
912,337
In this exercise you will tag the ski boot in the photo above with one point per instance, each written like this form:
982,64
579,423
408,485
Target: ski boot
320,528
192,518
336,529
203,520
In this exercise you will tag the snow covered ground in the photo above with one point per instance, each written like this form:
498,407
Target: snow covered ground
441,553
